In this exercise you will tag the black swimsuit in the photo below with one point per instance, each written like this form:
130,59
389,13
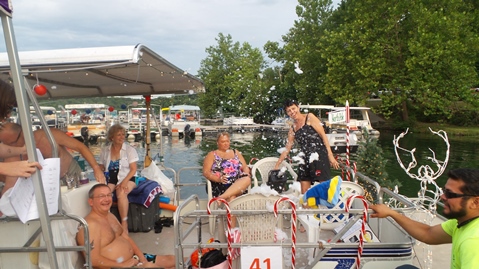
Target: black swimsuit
310,142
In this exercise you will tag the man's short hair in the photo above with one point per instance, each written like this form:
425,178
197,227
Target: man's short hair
470,177
92,190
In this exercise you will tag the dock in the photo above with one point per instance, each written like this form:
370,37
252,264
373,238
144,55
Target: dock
213,130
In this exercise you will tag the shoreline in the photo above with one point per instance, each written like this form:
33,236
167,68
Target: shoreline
423,127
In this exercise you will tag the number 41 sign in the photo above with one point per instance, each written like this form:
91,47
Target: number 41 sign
261,257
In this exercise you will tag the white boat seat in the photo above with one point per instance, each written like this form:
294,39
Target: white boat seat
14,233
262,167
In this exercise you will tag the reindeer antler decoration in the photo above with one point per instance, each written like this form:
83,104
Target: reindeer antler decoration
425,173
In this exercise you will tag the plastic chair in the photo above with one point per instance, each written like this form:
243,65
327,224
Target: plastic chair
212,218
263,166
256,228
312,223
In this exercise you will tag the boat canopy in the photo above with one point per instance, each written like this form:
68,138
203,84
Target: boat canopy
101,71
184,108
330,107
85,106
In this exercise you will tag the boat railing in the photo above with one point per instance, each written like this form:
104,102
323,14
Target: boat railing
188,221
179,184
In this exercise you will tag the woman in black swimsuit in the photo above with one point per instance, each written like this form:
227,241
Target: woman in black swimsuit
315,149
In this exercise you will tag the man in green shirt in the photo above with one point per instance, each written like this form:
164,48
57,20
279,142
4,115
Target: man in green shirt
461,207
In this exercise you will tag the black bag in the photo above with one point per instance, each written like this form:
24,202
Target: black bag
315,169
277,180
212,258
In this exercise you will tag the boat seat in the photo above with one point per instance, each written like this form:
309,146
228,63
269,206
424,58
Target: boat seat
74,202
15,233
260,227
262,167
313,224
254,227
212,219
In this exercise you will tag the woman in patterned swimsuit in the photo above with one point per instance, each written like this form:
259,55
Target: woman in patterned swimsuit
310,135
227,170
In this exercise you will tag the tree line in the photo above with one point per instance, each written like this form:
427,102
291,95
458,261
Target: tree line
420,57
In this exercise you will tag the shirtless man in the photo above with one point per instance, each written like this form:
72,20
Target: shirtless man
11,134
111,245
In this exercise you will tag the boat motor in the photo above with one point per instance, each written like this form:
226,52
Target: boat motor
84,133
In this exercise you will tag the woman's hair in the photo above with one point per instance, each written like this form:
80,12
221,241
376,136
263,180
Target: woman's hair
289,103
113,130
222,134
7,99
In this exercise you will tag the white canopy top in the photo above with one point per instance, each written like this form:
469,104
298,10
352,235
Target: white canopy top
102,71
185,108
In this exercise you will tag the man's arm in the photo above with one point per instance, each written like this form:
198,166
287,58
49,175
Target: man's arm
9,151
64,140
432,235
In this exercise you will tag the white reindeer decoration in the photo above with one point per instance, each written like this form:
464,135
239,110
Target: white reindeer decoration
426,175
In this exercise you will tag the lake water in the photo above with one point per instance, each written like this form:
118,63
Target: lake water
180,153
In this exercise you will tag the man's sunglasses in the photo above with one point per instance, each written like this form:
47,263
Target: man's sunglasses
451,195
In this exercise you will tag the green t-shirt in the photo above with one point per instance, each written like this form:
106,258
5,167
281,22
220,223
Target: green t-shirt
465,242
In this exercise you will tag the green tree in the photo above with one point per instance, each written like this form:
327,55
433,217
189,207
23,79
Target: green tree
301,48
233,80
420,53
371,163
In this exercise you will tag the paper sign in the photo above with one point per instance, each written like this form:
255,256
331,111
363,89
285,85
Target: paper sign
337,116
261,257
22,197
352,235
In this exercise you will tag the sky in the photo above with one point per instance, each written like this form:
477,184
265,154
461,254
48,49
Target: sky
177,30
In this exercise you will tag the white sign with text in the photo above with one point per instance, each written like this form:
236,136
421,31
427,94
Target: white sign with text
261,257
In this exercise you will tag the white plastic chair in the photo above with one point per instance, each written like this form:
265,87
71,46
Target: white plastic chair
312,224
212,218
263,166
254,227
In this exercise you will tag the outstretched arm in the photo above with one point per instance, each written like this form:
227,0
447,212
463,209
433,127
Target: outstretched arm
9,151
64,140
19,168
288,147
432,235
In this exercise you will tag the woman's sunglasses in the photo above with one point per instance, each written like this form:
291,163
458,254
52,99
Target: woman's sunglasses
451,195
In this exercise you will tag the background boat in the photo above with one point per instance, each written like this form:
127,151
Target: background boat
88,122
184,120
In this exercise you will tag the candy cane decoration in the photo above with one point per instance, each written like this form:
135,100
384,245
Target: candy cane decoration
363,224
347,141
293,226
228,219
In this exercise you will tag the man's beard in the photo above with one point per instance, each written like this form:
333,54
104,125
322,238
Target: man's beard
456,214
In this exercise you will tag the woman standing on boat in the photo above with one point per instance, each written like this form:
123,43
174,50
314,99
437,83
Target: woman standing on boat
119,160
315,149
227,170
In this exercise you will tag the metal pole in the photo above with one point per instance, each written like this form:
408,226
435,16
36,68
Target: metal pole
23,110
